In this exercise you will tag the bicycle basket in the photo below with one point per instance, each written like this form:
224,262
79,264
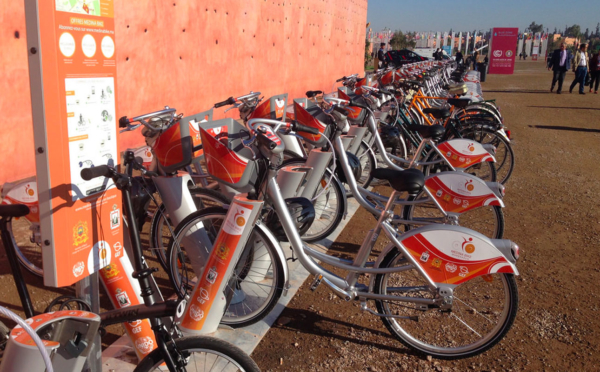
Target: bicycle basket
357,115
310,114
173,148
273,108
193,130
227,160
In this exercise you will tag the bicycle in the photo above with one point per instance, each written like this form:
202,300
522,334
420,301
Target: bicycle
171,350
444,258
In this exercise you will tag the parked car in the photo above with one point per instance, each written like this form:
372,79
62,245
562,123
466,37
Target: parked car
403,56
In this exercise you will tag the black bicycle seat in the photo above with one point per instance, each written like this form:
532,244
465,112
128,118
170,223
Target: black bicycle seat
438,113
409,180
434,132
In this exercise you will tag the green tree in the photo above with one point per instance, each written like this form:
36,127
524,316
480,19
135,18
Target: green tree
400,41
534,27
573,31
598,30
368,57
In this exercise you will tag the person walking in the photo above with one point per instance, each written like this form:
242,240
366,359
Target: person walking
475,57
459,57
595,71
520,56
560,63
380,60
580,68
437,55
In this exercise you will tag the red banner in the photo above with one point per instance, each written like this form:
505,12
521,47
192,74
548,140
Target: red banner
502,56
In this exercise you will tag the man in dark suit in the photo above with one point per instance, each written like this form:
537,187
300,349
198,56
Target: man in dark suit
560,63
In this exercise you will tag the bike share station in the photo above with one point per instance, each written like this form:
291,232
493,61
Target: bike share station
84,237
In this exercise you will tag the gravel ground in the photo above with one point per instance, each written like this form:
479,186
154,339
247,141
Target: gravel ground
551,212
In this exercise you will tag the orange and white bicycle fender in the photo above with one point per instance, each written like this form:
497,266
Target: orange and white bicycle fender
459,192
462,153
454,254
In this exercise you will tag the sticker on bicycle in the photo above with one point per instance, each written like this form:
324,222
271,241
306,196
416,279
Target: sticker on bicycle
455,257
123,292
458,193
218,262
195,134
463,153
354,112
222,162
144,152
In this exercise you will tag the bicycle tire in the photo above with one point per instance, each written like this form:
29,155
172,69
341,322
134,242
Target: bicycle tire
511,304
498,231
505,164
4,336
276,289
313,234
157,226
187,345
32,265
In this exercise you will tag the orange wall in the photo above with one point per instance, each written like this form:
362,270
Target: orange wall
189,54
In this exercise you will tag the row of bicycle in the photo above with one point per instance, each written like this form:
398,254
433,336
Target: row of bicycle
285,172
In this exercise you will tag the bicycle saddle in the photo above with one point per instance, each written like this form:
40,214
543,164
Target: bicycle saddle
435,132
13,210
459,103
409,180
438,113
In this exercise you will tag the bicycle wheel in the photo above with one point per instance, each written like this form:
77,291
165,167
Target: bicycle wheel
486,171
367,163
329,206
202,354
488,220
505,157
483,311
160,234
4,335
257,280
28,248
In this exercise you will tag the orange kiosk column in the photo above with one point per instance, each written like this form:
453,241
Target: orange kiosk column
72,69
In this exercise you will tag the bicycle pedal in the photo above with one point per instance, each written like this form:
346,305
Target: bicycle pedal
316,282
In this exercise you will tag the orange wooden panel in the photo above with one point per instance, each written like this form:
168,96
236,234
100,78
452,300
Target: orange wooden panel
189,54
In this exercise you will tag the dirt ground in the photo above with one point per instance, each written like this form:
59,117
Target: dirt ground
551,212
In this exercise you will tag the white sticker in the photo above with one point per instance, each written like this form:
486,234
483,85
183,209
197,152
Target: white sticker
236,220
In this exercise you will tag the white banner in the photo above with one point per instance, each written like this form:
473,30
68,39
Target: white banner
520,47
467,44
459,41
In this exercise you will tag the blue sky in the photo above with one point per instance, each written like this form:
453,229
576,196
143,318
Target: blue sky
469,15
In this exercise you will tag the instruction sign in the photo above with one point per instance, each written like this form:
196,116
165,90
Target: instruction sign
71,45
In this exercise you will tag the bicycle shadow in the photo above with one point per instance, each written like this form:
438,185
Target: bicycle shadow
520,91
311,323
560,127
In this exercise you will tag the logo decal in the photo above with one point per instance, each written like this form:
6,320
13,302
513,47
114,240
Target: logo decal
223,251
469,185
78,268
196,313
450,267
80,233
202,296
144,344
212,275
110,271
464,271
436,263
467,246
425,256
122,298
497,53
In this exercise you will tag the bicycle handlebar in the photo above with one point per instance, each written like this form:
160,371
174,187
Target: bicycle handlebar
95,172
228,101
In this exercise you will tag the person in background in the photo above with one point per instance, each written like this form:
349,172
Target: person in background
380,57
459,57
580,68
438,54
595,71
520,55
475,58
525,56
560,63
